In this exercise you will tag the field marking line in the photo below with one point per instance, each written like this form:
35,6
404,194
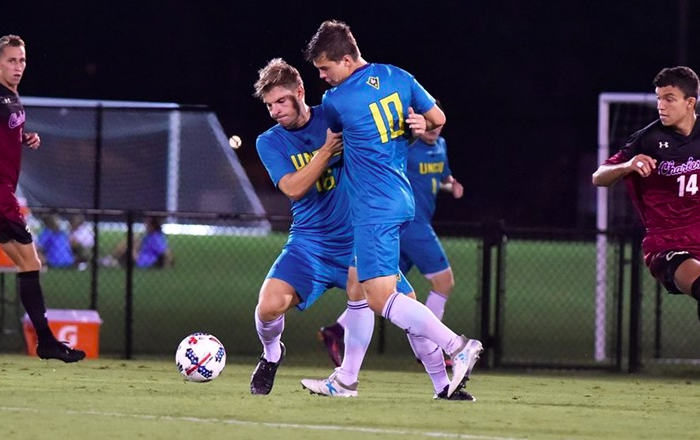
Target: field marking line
265,424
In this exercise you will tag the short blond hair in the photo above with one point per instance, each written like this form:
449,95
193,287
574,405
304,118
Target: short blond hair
277,73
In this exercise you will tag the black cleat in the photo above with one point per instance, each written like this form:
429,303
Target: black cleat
332,338
59,350
264,375
460,394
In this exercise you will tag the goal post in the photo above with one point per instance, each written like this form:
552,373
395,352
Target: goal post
144,156
619,115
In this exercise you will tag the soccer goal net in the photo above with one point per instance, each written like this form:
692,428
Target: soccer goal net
136,156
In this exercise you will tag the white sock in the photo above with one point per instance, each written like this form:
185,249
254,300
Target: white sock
358,323
270,334
432,358
415,318
341,318
436,303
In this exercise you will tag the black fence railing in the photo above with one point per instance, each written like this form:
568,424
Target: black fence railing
535,297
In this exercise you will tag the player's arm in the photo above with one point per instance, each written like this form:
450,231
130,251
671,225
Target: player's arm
452,186
434,118
420,123
607,174
295,185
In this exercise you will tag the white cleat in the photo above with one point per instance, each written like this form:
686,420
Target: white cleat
330,387
463,362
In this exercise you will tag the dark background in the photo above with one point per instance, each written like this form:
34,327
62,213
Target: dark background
519,80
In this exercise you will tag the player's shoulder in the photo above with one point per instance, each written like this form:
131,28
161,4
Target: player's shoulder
654,128
390,69
267,137
5,92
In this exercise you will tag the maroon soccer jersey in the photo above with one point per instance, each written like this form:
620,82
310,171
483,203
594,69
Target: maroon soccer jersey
11,125
668,200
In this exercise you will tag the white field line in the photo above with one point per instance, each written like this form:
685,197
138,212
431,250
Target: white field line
358,429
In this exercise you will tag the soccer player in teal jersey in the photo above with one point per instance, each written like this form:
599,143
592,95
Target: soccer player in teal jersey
375,105
304,160
429,172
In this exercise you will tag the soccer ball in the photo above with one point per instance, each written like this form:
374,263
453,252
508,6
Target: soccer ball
200,357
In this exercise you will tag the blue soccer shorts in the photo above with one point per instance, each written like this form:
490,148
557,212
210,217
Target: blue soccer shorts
311,270
377,250
402,283
420,246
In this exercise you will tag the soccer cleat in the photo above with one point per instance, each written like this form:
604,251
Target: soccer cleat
457,395
463,362
332,338
330,387
58,350
264,375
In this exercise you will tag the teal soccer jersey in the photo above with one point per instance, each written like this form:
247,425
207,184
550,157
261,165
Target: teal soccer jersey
427,167
322,215
370,108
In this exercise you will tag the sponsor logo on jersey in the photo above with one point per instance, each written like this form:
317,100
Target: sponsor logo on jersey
663,144
16,119
373,81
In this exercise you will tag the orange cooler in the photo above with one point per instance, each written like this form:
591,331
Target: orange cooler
78,328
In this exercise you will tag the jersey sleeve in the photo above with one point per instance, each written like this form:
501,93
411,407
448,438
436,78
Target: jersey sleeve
331,115
628,151
421,100
273,158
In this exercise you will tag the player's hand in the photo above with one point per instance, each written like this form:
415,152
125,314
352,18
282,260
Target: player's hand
32,140
416,122
642,165
334,142
457,188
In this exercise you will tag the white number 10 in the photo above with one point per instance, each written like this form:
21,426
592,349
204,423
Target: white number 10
690,187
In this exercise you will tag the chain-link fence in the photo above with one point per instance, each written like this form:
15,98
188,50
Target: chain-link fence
530,295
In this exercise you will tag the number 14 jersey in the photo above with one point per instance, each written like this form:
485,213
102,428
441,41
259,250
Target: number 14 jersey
668,200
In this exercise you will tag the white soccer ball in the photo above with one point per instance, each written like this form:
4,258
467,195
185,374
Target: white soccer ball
200,357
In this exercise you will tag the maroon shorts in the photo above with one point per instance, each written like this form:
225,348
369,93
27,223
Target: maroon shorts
12,223
663,265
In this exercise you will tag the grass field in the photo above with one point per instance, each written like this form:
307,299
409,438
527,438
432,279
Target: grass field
116,399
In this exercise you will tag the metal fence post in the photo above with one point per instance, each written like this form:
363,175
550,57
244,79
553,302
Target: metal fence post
635,304
129,299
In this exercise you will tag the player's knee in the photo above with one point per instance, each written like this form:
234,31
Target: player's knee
269,309
443,283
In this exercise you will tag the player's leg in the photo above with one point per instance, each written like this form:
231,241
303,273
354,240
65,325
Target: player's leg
377,265
678,271
687,279
276,297
420,246
442,284
357,329
19,247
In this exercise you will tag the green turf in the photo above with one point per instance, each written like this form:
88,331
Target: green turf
116,399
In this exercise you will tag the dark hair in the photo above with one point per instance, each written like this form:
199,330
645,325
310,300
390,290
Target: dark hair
682,77
10,40
334,40
277,72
